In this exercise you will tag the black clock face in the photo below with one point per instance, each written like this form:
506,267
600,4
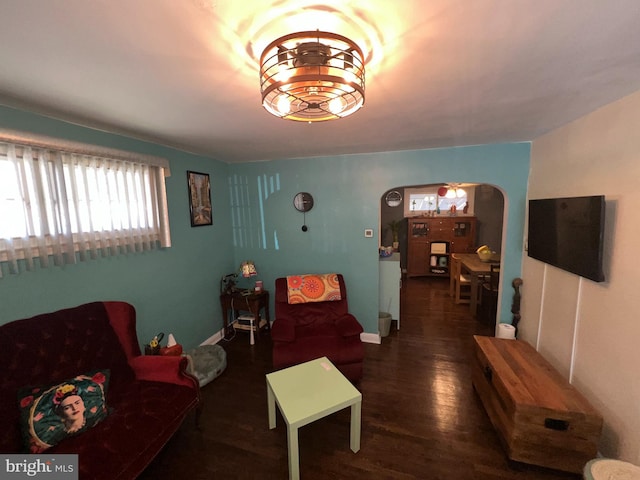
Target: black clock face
393,198
303,202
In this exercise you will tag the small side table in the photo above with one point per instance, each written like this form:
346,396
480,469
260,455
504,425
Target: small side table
307,392
241,301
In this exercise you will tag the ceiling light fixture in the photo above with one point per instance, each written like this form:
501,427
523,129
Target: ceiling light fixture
453,190
312,77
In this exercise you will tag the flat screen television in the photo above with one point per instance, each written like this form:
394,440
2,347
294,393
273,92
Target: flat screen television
568,233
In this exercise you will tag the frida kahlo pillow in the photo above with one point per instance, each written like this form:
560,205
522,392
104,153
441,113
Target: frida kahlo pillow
50,414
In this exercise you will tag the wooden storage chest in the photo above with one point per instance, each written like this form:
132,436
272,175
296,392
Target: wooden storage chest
540,417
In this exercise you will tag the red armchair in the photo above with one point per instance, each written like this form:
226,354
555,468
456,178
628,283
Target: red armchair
305,331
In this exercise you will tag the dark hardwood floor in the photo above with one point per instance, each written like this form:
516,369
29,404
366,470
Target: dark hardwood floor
420,416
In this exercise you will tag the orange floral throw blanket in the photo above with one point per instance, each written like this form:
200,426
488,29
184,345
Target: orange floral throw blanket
313,288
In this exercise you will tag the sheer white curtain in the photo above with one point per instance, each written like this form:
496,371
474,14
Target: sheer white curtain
62,206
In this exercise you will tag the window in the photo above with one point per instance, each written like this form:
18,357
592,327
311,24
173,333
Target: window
59,202
426,201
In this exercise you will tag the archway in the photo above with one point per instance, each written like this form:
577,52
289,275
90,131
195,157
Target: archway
486,205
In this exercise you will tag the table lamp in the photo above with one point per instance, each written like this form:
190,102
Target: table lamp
248,269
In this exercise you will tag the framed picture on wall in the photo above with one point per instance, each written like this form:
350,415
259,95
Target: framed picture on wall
199,199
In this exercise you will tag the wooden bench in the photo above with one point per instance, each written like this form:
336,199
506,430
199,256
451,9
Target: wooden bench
540,417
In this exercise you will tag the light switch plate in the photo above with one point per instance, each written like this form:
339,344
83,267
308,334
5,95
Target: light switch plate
368,232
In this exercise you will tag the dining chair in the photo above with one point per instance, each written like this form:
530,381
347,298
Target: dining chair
488,307
459,283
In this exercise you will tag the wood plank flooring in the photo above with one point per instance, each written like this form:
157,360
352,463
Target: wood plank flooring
421,418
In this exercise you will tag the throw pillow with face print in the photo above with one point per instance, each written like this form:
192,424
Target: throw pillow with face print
52,413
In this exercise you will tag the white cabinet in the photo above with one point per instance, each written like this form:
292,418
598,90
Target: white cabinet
390,278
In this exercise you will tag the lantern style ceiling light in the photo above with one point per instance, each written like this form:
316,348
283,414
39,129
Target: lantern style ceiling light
312,77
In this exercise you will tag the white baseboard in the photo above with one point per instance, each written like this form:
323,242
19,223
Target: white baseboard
371,338
364,337
215,338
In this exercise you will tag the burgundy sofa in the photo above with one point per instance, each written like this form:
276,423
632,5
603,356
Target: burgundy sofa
305,331
148,396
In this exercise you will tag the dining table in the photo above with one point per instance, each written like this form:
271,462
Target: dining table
476,269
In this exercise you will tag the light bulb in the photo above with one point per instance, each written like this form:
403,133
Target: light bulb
336,105
284,105
284,74
350,78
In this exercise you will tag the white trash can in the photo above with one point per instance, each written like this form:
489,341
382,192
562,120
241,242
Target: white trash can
384,323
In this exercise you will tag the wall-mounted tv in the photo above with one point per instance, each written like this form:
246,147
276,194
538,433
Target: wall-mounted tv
568,233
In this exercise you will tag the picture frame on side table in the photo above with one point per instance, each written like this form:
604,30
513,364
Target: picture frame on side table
200,208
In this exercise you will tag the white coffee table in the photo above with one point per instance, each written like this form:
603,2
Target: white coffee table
306,392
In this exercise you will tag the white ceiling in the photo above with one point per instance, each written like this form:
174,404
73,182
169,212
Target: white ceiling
442,72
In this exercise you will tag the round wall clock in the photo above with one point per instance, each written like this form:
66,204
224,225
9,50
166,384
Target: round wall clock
303,202
393,198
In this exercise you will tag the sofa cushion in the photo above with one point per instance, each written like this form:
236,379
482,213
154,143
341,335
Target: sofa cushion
145,415
53,413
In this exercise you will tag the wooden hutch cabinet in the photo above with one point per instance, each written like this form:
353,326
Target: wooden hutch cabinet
430,241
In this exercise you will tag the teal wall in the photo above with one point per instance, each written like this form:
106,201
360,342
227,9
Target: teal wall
347,192
175,290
